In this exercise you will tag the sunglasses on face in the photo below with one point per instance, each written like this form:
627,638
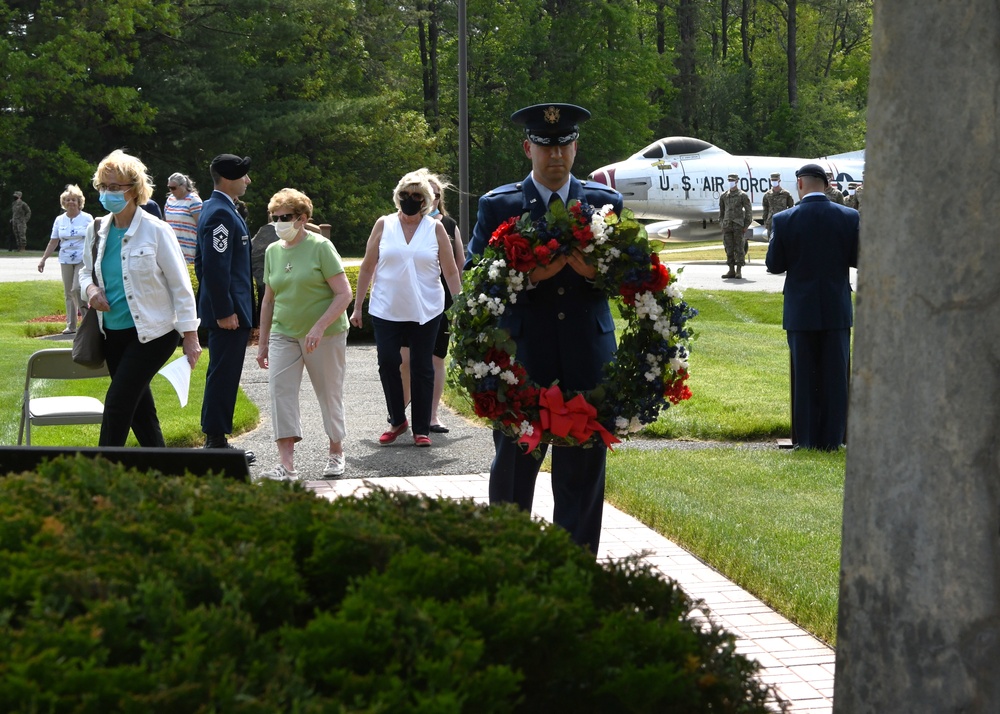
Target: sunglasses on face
173,188
419,197
284,218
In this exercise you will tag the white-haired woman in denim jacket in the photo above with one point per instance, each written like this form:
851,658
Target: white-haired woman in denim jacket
141,289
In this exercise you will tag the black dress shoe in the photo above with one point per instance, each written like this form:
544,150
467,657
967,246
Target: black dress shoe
216,442
439,428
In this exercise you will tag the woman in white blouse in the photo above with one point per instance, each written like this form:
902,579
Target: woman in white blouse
68,233
407,253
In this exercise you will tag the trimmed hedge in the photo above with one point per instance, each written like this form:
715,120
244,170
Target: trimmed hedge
120,591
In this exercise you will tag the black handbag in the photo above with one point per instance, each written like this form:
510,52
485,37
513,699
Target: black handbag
88,343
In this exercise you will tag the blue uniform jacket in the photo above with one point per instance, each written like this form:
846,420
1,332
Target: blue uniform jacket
222,263
815,242
563,327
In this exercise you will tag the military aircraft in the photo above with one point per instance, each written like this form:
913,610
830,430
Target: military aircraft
677,181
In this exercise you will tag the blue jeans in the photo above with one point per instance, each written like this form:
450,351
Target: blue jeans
129,402
389,338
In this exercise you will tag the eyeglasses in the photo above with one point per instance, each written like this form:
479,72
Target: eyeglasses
284,218
114,187
418,197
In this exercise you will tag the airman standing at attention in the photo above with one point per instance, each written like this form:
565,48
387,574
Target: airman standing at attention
774,200
832,190
735,216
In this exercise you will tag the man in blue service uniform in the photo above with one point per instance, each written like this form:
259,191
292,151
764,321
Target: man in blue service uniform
816,243
562,325
225,298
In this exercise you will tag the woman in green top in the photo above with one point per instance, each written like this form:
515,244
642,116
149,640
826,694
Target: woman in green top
303,324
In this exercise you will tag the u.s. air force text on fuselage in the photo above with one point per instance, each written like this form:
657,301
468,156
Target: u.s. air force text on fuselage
677,181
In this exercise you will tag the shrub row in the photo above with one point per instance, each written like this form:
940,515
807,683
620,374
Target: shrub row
120,591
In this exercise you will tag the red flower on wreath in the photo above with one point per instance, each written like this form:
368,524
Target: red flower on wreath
498,357
628,292
659,275
487,405
677,391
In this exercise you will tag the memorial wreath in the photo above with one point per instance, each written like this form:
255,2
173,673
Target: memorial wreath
650,369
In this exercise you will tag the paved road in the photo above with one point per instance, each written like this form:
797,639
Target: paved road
701,274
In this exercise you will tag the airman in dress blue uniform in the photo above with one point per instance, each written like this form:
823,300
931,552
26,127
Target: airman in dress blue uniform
225,297
562,325
816,243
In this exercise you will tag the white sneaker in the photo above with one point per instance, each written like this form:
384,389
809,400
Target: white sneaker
280,473
334,466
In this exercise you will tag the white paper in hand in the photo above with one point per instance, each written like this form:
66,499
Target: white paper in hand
178,373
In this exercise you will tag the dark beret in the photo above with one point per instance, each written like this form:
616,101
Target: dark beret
815,171
551,124
230,166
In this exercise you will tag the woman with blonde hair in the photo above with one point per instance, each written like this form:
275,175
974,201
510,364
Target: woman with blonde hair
303,323
438,212
139,285
68,234
406,254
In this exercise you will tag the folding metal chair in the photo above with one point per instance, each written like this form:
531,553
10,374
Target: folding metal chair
51,411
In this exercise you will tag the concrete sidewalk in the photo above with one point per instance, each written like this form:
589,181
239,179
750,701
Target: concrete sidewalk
456,466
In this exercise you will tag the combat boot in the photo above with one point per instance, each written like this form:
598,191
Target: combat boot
730,274
739,272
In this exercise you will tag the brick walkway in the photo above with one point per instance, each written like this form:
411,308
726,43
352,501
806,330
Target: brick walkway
791,659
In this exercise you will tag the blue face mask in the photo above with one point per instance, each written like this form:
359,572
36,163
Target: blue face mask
113,201
434,213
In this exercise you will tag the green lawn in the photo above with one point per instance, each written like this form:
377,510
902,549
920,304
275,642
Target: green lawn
768,520
22,302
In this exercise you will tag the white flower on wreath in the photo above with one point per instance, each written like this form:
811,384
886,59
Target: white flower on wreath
495,267
647,306
525,428
677,364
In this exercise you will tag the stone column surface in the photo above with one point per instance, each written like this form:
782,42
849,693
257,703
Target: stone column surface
919,627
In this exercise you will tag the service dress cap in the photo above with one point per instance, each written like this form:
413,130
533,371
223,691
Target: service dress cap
813,170
775,176
551,124
230,166
734,177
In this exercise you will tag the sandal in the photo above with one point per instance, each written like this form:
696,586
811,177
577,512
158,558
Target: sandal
393,434
421,440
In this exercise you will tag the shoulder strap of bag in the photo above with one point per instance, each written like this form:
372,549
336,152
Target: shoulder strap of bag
93,249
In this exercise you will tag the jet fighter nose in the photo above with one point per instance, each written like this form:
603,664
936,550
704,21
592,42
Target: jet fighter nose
605,175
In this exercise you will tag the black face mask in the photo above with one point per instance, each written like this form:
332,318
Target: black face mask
410,206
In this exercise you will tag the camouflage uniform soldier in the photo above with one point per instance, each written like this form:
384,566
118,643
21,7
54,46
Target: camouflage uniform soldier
775,199
735,216
20,215
852,195
857,195
833,190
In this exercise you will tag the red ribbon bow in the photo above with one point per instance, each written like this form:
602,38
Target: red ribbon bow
576,418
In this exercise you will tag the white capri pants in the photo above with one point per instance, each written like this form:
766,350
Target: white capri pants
326,366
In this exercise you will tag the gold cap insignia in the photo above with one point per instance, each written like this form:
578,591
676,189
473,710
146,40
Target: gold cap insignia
552,115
